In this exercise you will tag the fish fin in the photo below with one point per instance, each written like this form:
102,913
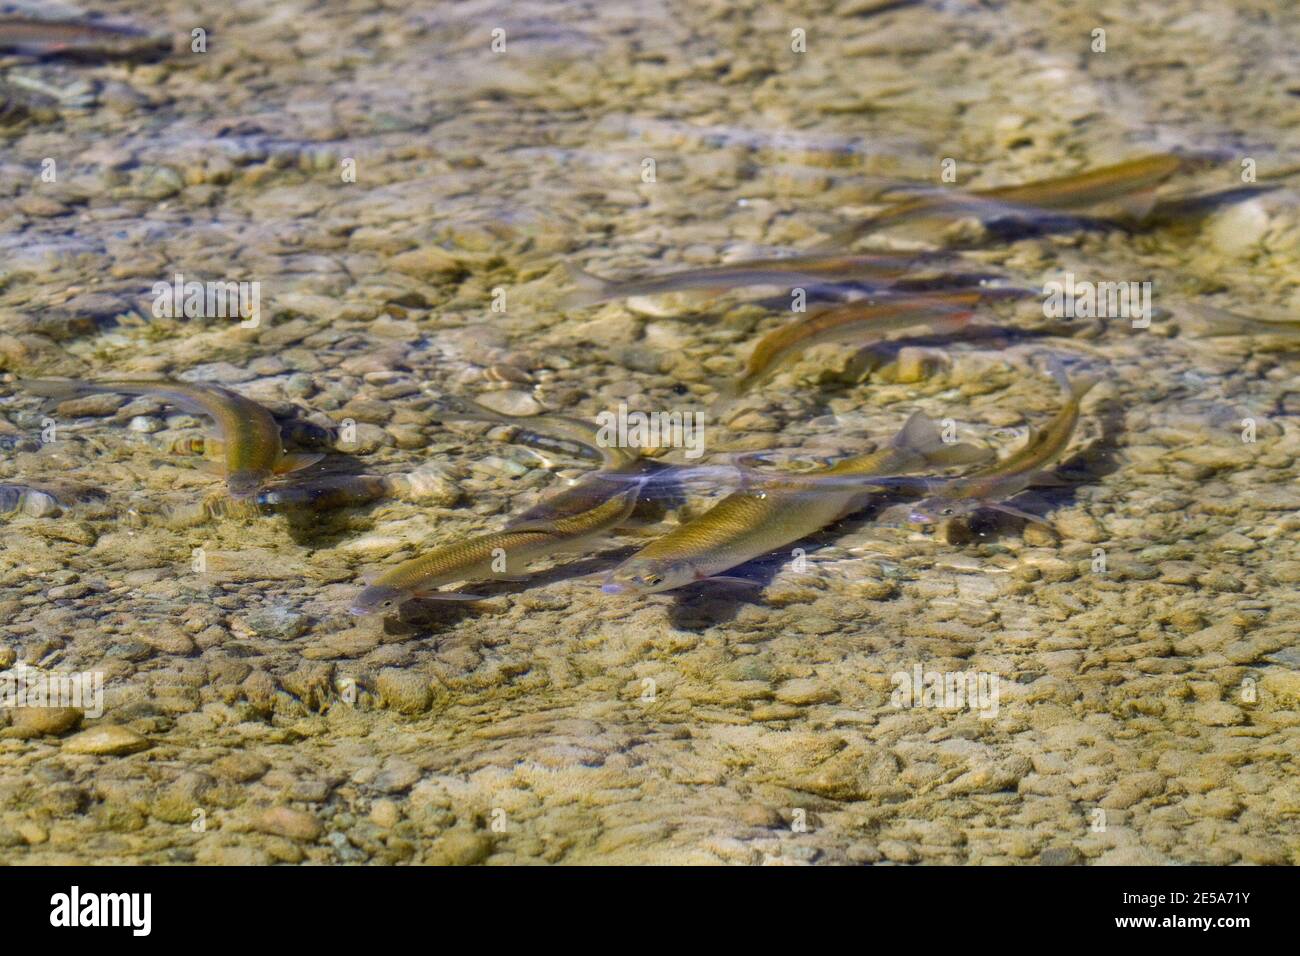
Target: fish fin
732,579
746,474
730,392
296,461
1076,388
920,435
531,524
1018,513
959,453
1050,479
1134,206
590,289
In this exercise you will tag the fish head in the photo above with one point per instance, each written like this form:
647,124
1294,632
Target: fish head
933,510
379,599
245,483
648,576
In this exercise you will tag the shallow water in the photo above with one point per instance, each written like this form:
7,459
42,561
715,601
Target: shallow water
1144,647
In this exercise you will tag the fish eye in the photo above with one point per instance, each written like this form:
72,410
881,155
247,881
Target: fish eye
948,511
388,603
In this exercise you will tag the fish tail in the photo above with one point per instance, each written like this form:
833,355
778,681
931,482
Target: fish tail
1211,322
1075,388
729,393
921,436
590,289
58,389
457,408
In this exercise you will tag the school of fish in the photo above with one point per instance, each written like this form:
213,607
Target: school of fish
262,459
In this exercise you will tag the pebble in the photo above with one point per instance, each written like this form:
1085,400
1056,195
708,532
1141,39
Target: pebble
805,691
42,721
277,623
289,823
110,740
385,813
510,402
459,848
404,691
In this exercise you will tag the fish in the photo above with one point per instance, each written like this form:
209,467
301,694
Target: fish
878,267
775,510
1212,322
327,494
597,503
79,39
1122,191
869,318
621,468
477,558
249,436
541,431
990,486
295,433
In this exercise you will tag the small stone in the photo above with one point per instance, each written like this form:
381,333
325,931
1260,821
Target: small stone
397,778
156,182
289,823
460,848
1060,856
428,263
385,813
109,740
897,852
992,777
510,402
804,691
1076,525
277,623
757,815
406,692
363,439
877,589
168,638
1218,714
241,767
1131,856
1258,850
1239,228
770,712
43,721
864,853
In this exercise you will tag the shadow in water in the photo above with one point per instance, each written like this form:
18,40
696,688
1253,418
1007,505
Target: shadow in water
428,618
